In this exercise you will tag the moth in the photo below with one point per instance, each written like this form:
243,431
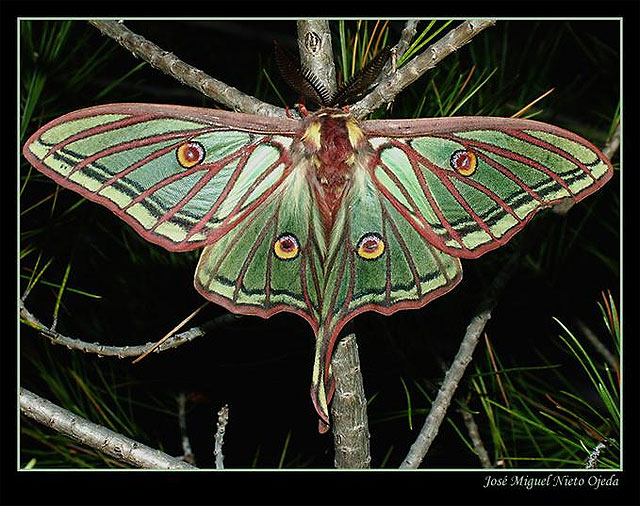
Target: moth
326,217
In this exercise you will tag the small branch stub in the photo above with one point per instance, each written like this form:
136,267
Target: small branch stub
223,418
474,434
187,452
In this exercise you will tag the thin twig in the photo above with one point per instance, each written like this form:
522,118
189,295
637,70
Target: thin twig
408,32
389,87
349,408
463,358
169,334
476,439
187,452
592,460
445,394
95,436
170,64
122,351
223,418
407,35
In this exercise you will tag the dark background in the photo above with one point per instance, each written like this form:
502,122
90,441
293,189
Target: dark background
262,368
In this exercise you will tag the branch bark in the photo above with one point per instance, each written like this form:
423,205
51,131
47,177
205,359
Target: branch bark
122,351
613,143
316,51
187,452
349,408
96,436
407,35
453,376
598,345
389,87
476,439
223,418
592,460
170,64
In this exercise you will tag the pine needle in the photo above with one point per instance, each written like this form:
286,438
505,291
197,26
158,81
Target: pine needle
532,103
170,333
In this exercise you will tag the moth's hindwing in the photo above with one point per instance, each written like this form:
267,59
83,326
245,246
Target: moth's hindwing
270,262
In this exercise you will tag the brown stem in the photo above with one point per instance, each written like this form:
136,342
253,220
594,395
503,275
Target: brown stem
316,52
172,65
349,408
121,351
389,87
95,436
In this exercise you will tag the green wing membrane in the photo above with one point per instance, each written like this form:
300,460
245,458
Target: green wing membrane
242,270
420,194
327,282
469,184
408,269
407,274
126,157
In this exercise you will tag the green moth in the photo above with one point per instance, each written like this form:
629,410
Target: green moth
325,217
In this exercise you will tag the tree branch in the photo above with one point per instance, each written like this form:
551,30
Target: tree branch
122,351
407,35
389,87
445,394
172,65
453,376
474,434
95,436
349,408
598,345
592,460
613,143
316,52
